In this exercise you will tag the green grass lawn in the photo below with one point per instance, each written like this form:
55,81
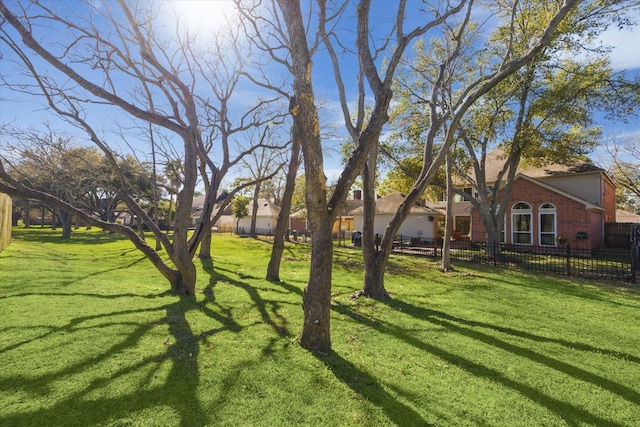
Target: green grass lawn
90,336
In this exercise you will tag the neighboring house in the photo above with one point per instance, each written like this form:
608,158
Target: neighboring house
554,204
627,217
345,221
266,218
198,204
421,222
461,216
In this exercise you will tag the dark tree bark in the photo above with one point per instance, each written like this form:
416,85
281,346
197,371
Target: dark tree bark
451,115
254,211
445,262
66,220
316,328
273,269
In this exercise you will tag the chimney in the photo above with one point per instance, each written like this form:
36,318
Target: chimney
357,194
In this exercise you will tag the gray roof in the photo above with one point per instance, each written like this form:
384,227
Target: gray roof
389,204
496,158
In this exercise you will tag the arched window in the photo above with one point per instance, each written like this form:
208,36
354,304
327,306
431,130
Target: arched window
547,224
521,223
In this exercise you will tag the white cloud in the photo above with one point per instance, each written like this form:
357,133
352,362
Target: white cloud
626,47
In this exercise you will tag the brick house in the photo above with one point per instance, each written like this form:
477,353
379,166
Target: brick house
556,204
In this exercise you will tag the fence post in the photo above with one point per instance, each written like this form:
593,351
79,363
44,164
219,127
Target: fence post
494,252
635,262
568,259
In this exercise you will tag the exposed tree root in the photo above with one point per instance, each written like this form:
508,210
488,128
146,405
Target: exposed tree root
384,297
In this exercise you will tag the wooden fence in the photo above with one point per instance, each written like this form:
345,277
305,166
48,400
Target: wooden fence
617,235
5,221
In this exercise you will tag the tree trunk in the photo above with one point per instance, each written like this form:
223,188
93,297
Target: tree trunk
493,248
170,212
67,223
315,333
316,299
205,244
184,282
273,269
445,263
373,286
27,216
139,227
254,211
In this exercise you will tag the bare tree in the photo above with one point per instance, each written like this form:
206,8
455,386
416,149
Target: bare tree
624,166
114,60
232,135
322,211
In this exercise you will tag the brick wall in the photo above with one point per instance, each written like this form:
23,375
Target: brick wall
571,216
5,221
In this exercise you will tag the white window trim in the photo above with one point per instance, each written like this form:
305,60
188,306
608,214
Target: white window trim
548,211
515,212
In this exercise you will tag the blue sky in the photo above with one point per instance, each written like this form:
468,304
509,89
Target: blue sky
625,56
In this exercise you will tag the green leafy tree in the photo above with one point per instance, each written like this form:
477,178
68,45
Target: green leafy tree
451,79
542,114
240,209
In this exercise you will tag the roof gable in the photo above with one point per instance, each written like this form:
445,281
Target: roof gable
496,158
389,205
587,205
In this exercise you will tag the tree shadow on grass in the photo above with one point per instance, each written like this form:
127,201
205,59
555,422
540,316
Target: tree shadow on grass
449,321
565,285
572,414
76,324
268,308
46,235
366,386
178,392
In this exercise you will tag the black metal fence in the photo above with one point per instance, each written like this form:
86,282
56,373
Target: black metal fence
615,264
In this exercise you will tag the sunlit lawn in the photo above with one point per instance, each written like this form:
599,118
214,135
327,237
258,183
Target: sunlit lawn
90,336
